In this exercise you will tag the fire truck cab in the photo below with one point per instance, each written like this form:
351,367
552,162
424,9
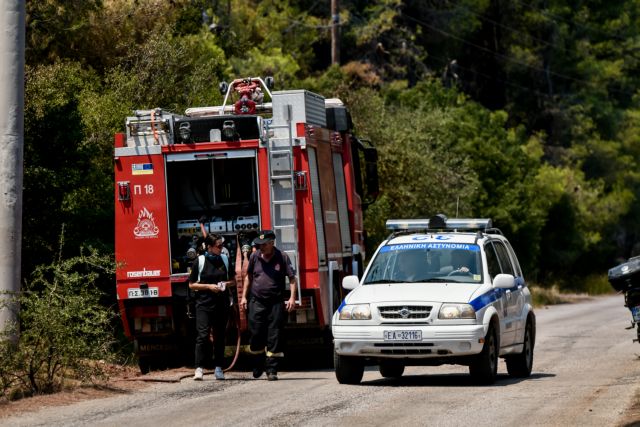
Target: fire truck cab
291,165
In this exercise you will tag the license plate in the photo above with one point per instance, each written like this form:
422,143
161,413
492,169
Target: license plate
403,335
635,312
142,293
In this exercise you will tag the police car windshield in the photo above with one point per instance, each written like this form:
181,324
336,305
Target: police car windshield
426,263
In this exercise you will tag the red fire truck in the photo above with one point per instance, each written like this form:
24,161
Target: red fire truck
290,164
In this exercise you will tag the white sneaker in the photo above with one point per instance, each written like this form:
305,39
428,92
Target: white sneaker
199,374
218,373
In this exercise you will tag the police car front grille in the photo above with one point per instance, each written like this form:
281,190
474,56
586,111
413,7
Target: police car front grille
405,311
404,344
409,349
404,348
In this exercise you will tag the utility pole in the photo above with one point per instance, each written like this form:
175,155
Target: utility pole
12,40
335,33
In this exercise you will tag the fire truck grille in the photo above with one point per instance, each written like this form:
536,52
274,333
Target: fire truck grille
405,311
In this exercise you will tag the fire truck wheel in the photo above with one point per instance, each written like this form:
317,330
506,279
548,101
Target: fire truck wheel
144,363
349,370
390,369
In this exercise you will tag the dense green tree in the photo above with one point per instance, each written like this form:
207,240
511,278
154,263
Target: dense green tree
526,112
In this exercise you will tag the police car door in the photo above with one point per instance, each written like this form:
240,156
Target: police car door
518,294
507,335
512,295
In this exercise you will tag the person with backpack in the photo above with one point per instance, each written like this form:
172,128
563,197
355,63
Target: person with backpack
210,280
264,284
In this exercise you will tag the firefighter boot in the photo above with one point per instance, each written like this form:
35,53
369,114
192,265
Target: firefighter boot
258,365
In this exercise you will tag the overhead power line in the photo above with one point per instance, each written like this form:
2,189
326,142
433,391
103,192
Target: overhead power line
446,62
504,57
557,18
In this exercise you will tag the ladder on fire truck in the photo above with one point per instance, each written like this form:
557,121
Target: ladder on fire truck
283,192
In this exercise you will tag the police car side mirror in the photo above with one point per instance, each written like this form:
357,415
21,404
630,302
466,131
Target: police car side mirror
504,281
350,282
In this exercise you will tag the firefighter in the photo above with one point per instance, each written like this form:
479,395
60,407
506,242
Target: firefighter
210,280
263,297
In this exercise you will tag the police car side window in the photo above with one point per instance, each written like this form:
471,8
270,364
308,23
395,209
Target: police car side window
492,261
516,264
503,257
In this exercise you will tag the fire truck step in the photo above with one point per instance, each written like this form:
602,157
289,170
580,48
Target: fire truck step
283,202
280,227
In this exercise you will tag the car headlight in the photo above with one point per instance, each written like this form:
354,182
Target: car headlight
456,311
355,312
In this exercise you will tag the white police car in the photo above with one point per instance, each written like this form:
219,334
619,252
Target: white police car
437,291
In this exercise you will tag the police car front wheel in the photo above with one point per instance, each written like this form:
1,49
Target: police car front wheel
484,367
349,370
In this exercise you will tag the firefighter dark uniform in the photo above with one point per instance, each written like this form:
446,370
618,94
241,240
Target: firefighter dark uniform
266,306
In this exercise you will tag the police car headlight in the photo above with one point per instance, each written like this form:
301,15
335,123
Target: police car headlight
355,312
456,311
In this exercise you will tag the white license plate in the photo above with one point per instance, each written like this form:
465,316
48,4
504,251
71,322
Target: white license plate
142,293
635,312
403,335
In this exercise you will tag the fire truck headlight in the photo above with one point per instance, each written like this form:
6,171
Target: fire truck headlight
355,312
456,311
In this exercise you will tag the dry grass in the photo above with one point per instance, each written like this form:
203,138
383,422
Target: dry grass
117,381
551,296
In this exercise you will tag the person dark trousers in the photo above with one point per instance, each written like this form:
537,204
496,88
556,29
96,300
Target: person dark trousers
266,324
209,279
264,285
215,318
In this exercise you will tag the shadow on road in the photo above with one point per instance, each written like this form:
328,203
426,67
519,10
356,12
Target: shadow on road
449,380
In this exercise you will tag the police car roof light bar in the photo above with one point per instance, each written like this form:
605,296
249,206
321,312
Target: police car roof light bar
469,223
439,222
407,224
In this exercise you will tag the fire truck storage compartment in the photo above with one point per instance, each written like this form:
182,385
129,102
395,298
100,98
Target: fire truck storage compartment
220,186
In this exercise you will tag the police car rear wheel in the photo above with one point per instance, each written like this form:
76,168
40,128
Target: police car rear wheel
391,370
349,370
520,365
484,367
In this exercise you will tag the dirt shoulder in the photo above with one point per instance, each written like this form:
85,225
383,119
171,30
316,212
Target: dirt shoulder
632,414
121,380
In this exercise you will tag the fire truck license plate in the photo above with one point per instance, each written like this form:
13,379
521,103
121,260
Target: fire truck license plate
403,335
142,293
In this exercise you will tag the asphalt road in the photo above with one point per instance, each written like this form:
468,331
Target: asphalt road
586,372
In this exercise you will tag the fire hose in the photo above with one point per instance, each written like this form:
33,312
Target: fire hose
242,263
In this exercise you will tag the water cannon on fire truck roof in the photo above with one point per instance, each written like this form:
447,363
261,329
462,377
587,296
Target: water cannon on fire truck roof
250,92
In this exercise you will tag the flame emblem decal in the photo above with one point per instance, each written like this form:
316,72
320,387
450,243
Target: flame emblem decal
146,227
